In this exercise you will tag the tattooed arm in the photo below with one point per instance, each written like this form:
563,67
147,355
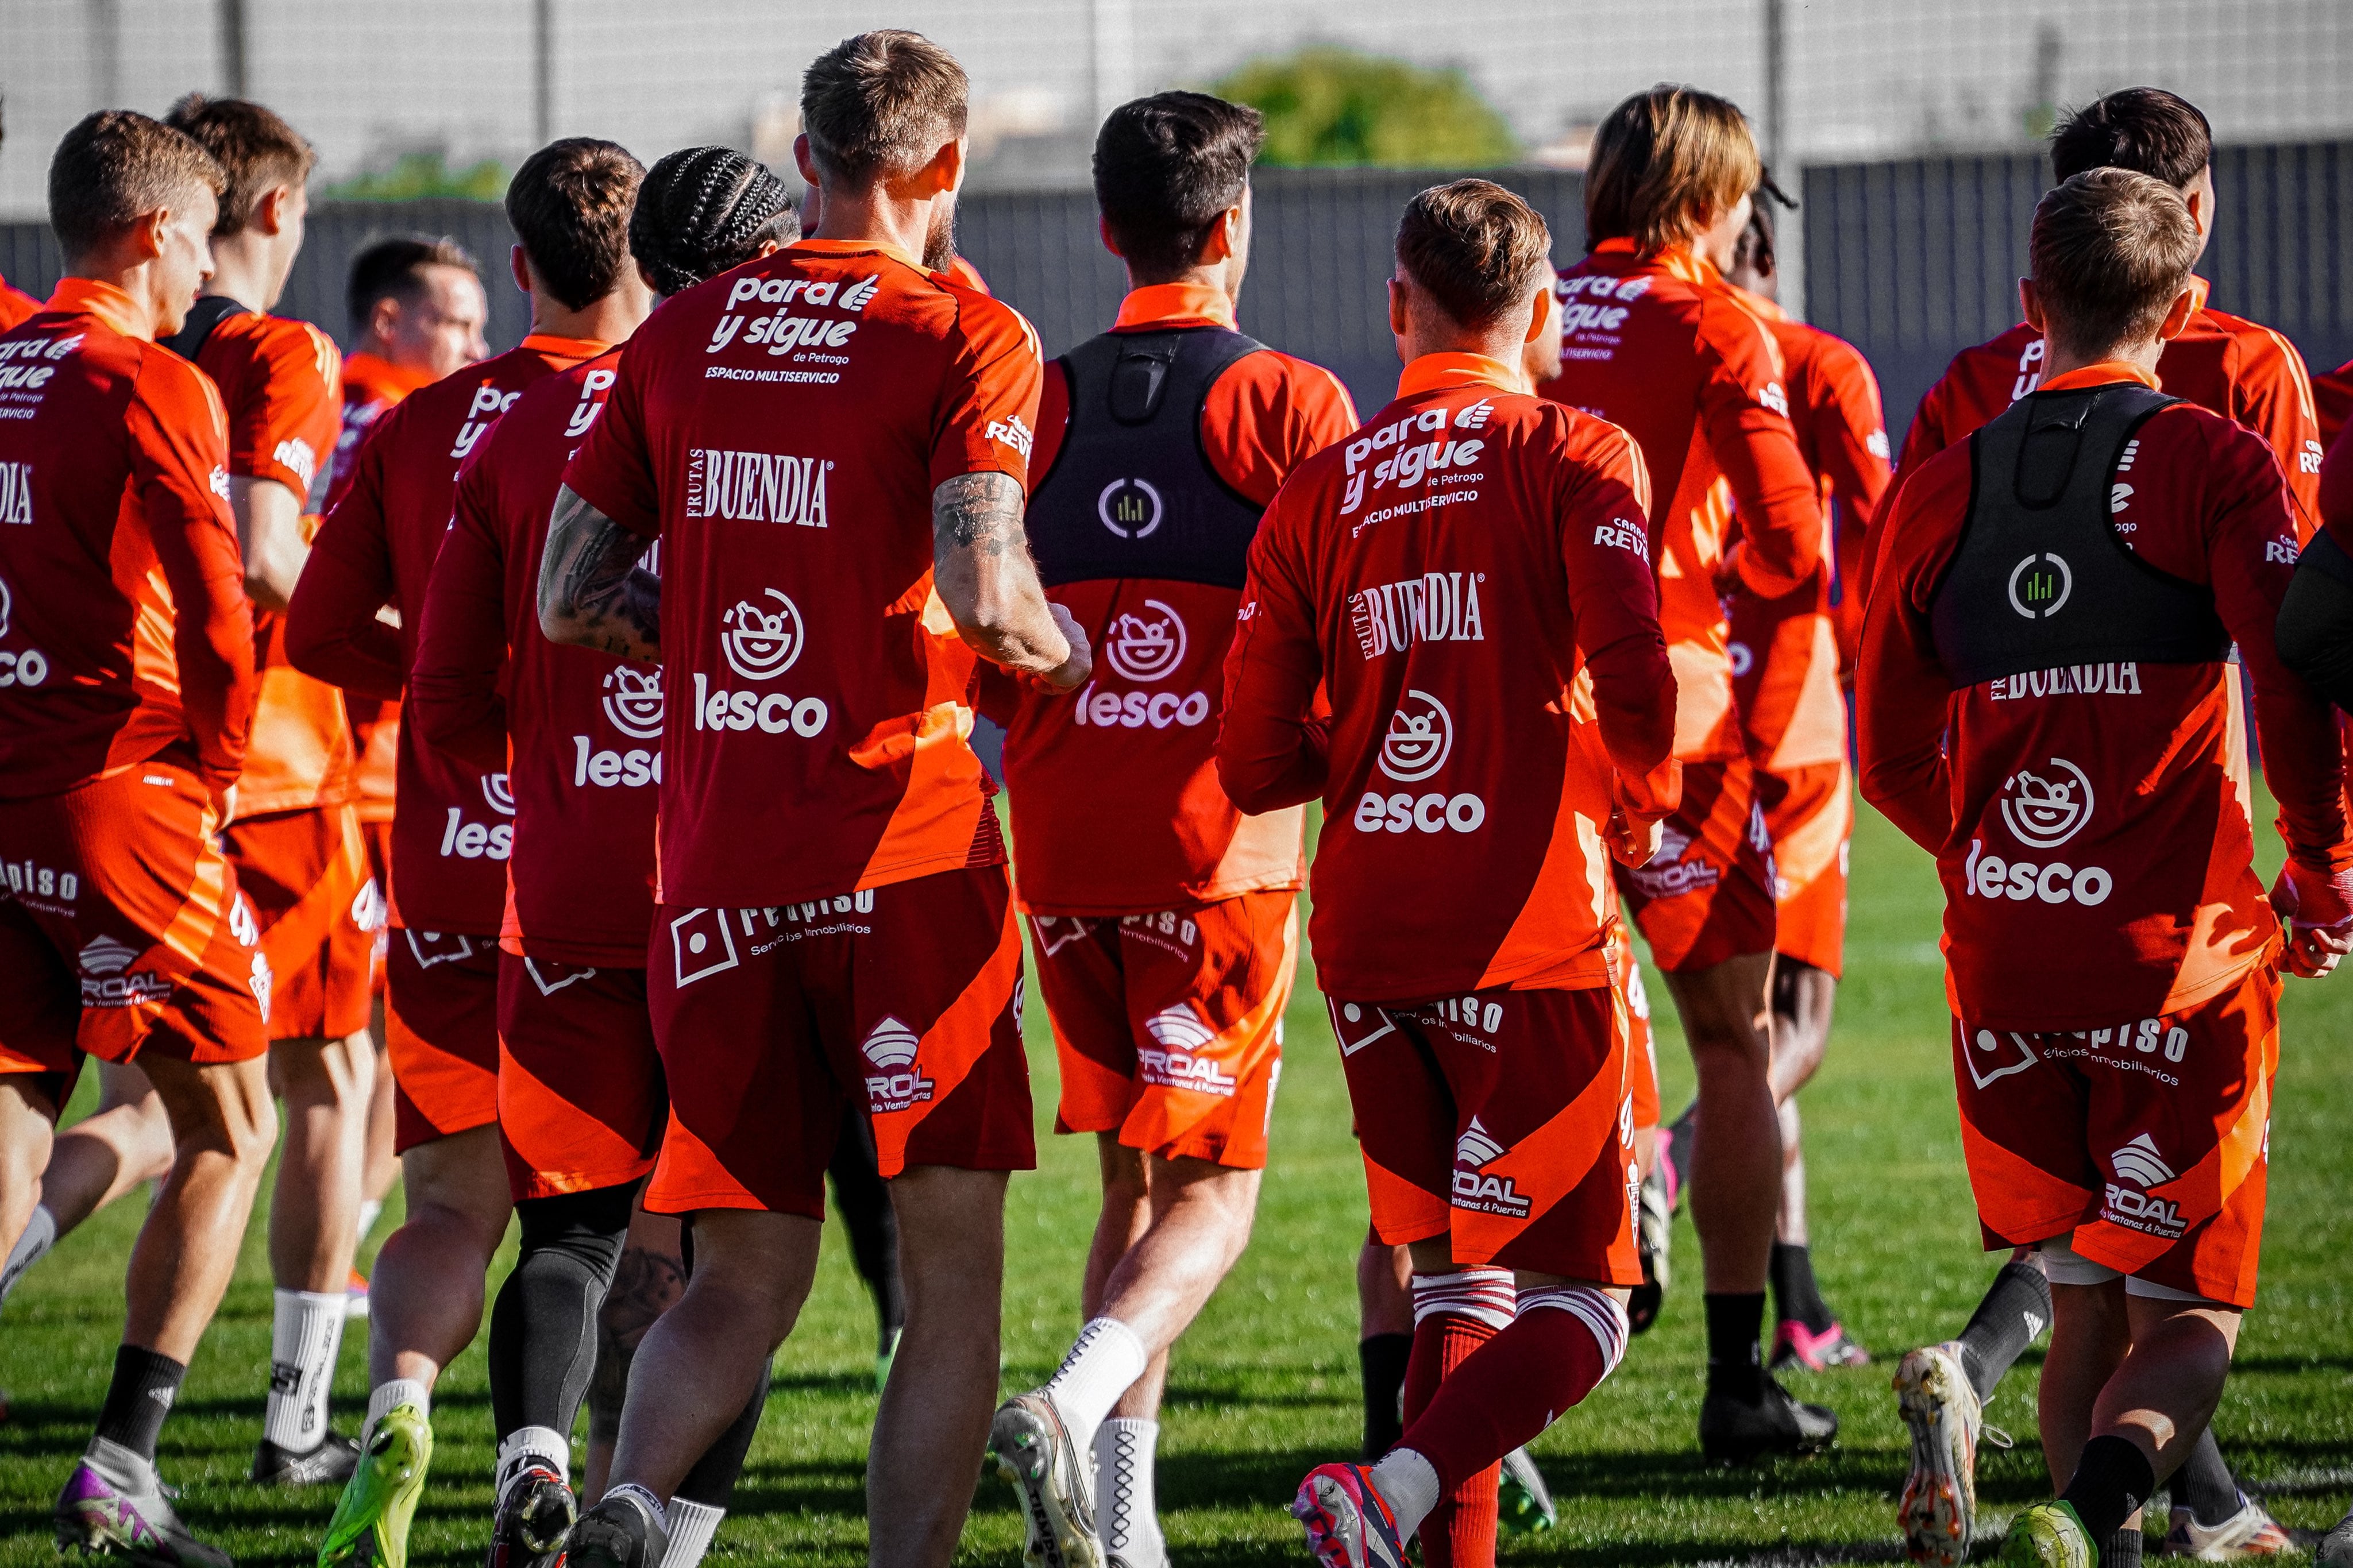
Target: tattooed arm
591,593
981,567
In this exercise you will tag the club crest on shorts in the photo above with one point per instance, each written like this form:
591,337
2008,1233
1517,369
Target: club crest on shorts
1473,1189
898,1083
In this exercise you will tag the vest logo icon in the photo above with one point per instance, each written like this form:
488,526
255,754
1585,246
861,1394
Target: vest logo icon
2038,586
761,644
1130,508
633,701
2044,812
1146,648
1419,739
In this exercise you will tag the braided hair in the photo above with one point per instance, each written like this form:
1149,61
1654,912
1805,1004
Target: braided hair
704,210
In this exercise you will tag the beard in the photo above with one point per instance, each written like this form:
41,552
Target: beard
939,243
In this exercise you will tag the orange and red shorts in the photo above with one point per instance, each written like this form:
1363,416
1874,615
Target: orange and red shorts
1707,895
773,1021
377,832
1503,1120
1641,1045
1809,818
2143,1144
123,929
441,1034
580,1096
1169,1026
321,913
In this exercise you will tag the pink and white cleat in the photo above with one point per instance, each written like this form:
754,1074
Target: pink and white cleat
1348,1523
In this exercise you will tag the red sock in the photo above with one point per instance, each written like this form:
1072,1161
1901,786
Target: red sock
1517,1384
1454,1314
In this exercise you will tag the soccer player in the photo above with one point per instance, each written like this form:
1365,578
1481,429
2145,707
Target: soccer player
1658,344
569,207
1788,655
300,860
15,305
2047,702
832,445
1163,918
1481,756
2246,372
127,647
581,1098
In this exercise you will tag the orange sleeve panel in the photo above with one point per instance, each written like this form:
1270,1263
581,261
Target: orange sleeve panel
1744,407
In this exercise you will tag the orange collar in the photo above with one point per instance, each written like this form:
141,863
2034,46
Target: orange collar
1175,305
1676,261
565,348
110,305
379,374
2107,372
1431,371
856,248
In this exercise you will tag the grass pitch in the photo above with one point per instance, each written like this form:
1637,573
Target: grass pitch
1266,1383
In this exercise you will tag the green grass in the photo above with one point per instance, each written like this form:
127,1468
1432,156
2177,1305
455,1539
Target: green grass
1266,1384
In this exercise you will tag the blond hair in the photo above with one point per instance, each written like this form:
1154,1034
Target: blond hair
1664,163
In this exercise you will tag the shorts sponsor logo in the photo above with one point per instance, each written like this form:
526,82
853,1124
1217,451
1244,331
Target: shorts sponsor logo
43,886
1146,648
1419,738
1675,868
295,453
1993,1057
756,487
1131,508
899,1083
551,977
368,907
1056,932
2139,1166
109,981
1473,1189
2043,811
431,947
2040,585
2114,680
813,917
1411,460
702,944
761,642
633,701
16,493
1181,1036
1437,606
1359,1024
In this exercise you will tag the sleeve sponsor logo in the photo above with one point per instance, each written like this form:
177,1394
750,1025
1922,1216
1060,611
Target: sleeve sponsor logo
756,487
1876,445
1619,533
1771,396
2280,552
217,481
1437,606
295,453
2307,458
1011,432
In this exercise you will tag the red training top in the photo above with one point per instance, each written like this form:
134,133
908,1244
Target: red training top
2336,491
450,835
1475,751
2152,904
2332,400
124,630
579,733
1113,819
15,305
1662,347
782,428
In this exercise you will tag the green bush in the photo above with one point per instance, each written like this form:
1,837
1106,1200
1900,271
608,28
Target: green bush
1328,107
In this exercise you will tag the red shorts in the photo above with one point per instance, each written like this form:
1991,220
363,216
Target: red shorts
1707,895
1641,1045
771,1020
441,1033
322,916
580,1100
1168,1026
2145,1142
1808,818
123,929
1502,1119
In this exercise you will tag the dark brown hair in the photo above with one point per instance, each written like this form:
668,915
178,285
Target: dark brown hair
1662,161
878,105
2111,250
1166,168
2144,128
255,148
115,165
1475,247
394,269
569,205
702,210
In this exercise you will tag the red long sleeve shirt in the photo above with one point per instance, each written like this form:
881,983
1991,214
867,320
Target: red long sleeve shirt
1662,347
578,733
2332,400
2143,899
124,629
450,832
1477,744
15,306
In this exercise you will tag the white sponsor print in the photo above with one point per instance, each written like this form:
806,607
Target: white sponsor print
473,840
1622,533
26,666
2140,1164
783,333
1473,1189
1167,929
899,1083
104,955
36,883
773,714
1357,1024
2112,680
17,494
1011,432
2044,812
1056,932
702,944
499,793
1668,873
480,414
1992,876
431,947
1433,812
633,701
1180,1036
1995,1056
109,981
1131,508
1436,606
295,453
1146,648
24,374
592,387
1419,738
763,641
554,977
1442,460
369,910
609,769
756,487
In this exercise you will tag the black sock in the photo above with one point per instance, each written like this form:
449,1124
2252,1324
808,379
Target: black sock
544,1327
2112,1480
2123,1549
2015,1309
1795,1294
139,1398
864,1200
2204,1484
1382,1358
1735,1365
711,1483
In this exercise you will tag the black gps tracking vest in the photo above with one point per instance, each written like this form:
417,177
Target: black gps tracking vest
1132,493
2041,578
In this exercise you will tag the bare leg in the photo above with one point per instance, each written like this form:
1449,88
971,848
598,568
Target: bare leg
1126,1215
2165,1393
126,1140
1201,1222
1802,1000
425,1301
650,1280
2091,1334
382,1166
27,1118
1735,1178
223,1126
314,1213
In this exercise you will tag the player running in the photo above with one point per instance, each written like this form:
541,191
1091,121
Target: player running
2243,371
127,650
1789,655
1480,758
2116,1028
569,207
580,1096
832,444
1659,344
1163,918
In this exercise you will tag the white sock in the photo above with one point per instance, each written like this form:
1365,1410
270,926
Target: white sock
1126,1517
692,1526
1408,1484
653,1504
545,1444
369,1209
1103,1364
306,1332
40,1235
390,1395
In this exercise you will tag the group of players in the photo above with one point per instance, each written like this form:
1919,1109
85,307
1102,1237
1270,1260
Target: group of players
1560,640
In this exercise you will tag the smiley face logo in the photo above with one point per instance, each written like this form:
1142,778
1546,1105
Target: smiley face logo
1419,739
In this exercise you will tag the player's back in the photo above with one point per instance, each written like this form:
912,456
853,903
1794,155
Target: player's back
110,487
